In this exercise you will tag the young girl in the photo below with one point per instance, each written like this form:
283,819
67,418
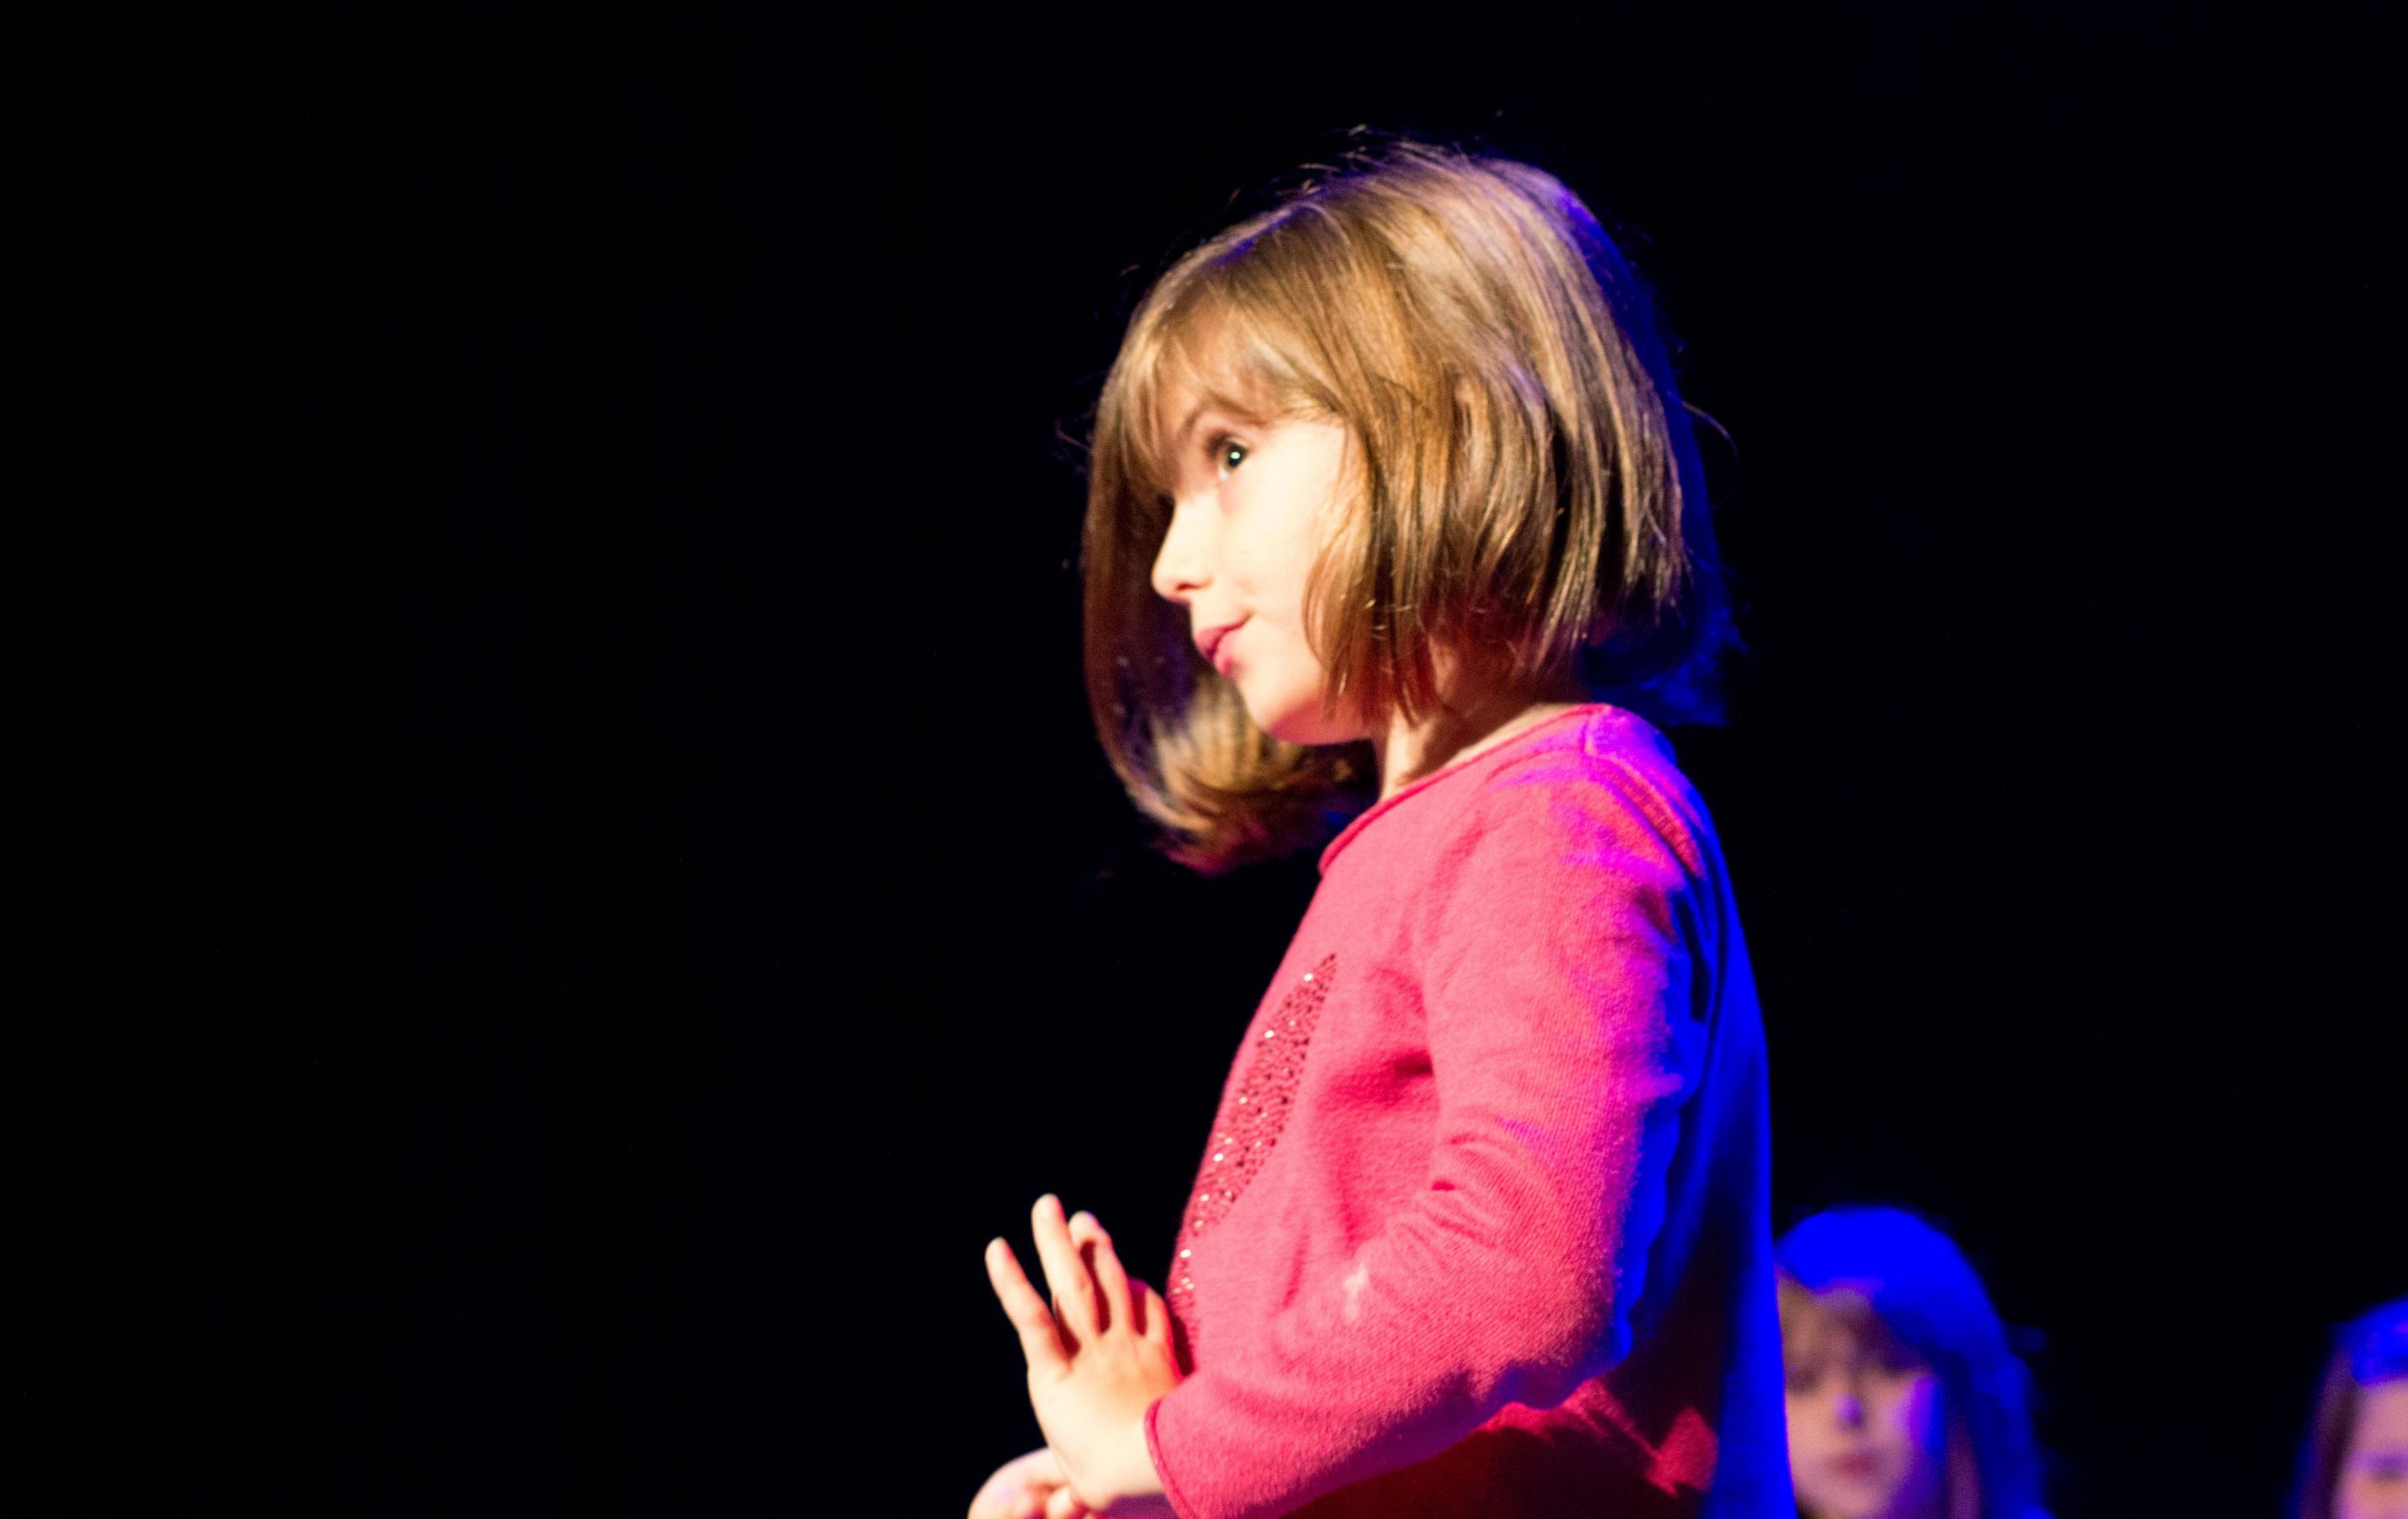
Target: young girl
2355,1462
1391,492
1905,1399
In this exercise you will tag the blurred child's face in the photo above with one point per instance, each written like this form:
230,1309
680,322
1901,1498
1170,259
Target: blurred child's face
1865,1438
2374,1468
1253,502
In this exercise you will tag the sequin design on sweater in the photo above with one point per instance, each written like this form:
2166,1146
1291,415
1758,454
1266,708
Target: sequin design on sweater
1249,1127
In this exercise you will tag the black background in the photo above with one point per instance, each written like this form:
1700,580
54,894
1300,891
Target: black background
571,888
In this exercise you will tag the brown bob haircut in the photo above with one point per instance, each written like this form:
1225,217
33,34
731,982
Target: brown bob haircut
1527,511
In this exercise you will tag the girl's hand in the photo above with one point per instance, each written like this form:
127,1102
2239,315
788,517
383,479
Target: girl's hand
1033,1487
1096,1362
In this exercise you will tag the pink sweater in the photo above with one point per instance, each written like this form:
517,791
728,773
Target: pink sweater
1482,1228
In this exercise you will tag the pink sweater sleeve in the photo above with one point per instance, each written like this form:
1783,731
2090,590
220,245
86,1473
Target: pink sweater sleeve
1555,942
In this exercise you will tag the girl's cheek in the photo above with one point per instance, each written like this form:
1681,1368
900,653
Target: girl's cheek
1923,1394
1930,1437
2374,1490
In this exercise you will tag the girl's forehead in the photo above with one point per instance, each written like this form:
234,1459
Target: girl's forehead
1185,408
1830,1324
1214,355
1811,1335
2383,1415
1226,347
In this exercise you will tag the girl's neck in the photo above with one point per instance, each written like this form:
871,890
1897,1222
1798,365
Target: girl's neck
1454,732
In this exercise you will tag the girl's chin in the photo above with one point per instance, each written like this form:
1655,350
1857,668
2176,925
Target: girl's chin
1314,732
1301,720
1845,1506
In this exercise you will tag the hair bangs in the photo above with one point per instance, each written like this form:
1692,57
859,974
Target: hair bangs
1818,1322
1227,349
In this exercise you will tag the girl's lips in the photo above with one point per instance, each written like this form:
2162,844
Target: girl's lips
1857,1465
1212,643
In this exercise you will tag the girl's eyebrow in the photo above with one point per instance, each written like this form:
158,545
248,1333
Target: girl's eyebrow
1219,412
1183,438
1186,429
1206,411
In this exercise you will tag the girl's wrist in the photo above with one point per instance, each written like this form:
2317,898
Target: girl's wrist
1128,1486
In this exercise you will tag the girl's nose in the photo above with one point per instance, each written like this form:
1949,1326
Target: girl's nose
1182,566
1850,1410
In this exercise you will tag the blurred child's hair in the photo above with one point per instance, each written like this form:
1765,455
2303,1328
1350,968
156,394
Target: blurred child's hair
1528,504
2370,1348
1895,1281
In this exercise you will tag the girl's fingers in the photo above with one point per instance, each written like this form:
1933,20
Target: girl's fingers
1152,1315
1073,1288
1065,1504
1005,1498
1020,1489
1104,1264
1041,1339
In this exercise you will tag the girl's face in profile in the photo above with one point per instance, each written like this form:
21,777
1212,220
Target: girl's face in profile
1252,503
2374,1468
1866,1437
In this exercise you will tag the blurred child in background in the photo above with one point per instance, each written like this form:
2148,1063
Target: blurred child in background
2355,1462
1904,1400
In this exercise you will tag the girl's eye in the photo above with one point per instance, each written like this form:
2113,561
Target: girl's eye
1226,456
